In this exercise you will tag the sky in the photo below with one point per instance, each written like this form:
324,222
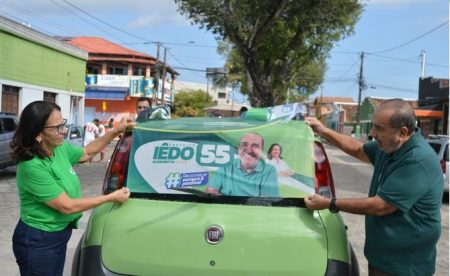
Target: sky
392,34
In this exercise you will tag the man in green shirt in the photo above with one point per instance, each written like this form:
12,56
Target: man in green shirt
247,176
403,222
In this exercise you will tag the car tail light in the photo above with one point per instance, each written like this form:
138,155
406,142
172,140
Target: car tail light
443,165
118,166
324,180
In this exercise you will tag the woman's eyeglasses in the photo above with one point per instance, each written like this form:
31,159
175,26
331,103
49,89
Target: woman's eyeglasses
59,128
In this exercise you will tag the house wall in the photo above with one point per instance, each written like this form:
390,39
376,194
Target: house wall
30,62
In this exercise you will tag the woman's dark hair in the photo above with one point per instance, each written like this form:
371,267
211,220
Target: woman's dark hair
32,121
269,152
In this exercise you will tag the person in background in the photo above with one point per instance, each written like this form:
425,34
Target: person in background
275,159
143,103
91,133
402,210
49,189
111,123
247,176
101,132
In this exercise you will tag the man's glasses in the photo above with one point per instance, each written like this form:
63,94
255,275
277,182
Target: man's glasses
142,107
60,128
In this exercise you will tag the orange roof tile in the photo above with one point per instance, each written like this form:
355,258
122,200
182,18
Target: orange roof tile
97,45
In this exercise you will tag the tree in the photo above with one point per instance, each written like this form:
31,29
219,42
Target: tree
275,40
190,103
304,82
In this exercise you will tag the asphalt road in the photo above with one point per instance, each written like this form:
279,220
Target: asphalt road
351,179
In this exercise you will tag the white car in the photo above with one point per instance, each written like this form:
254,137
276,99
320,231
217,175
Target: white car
440,145
74,135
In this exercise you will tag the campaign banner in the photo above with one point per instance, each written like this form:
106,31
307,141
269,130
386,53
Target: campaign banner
225,157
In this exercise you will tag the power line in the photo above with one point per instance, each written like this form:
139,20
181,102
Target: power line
189,69
88,22
170,53
106,23
412,40
37,17
410,61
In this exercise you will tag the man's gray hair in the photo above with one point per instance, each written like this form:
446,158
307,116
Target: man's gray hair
403,115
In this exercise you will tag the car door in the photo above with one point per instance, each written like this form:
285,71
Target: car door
7,127
4,144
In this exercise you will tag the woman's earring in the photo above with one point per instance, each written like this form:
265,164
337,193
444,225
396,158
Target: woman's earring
38,139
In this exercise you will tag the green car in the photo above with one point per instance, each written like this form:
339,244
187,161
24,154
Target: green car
207,198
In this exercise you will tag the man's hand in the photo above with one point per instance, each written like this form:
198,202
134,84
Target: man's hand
317,202
125,123
315,124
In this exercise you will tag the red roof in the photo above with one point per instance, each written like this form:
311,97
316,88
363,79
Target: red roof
97,45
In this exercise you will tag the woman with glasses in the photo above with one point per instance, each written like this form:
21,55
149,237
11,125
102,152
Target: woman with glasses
49,189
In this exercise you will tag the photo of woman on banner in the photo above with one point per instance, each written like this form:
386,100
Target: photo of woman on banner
286,175
274,157
249,175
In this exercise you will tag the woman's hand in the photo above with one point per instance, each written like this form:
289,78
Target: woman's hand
286,173
121,195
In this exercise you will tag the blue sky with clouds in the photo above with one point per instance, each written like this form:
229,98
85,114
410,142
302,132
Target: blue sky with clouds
392,33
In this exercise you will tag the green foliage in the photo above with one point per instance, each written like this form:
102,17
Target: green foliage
190,103
275,46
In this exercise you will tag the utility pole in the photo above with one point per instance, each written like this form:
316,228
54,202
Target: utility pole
155,93
361,88
163,90
422,69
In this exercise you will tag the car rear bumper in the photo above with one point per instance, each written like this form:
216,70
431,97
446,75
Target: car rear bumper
88,261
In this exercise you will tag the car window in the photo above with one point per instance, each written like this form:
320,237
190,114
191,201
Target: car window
228,156
8,124
436,147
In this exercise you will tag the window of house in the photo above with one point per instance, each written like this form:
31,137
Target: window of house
49,97
10,99
138,71
117,71
222,95
92,70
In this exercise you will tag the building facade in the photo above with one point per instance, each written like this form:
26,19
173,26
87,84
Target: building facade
336,113
116,76
35,66
432,110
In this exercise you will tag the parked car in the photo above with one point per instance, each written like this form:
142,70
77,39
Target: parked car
74,135
171,226
8,125
440,145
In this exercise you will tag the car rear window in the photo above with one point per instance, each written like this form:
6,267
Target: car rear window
228,156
